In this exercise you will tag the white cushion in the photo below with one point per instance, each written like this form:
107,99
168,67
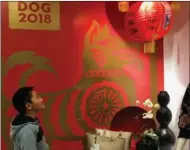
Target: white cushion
114,134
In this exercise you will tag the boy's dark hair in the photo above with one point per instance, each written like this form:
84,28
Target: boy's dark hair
21,97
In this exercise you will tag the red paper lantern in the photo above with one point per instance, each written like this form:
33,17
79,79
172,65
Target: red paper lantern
148,21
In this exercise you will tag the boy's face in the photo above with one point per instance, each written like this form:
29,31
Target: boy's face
36,102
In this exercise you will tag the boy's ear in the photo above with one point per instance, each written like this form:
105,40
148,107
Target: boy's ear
28,106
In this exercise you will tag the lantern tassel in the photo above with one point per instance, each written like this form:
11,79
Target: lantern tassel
149,47
123,6
175,6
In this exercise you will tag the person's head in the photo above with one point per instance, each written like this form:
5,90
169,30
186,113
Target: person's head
26,99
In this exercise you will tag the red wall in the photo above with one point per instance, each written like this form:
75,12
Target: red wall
88,55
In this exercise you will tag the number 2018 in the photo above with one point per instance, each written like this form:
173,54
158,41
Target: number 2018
32,18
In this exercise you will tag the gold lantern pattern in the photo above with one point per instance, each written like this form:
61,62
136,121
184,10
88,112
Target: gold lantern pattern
175,6
123,6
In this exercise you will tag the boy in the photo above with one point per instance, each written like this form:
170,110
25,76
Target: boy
25,131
